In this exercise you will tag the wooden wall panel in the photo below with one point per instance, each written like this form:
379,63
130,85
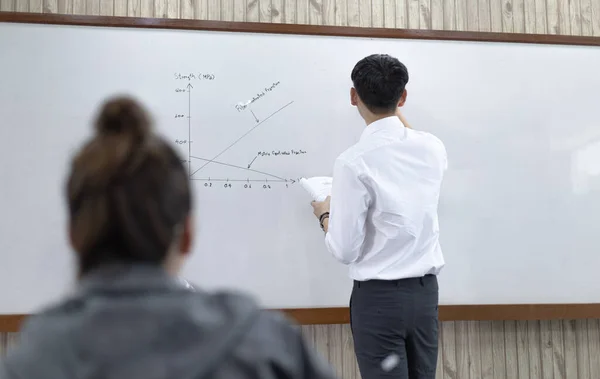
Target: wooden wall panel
554,349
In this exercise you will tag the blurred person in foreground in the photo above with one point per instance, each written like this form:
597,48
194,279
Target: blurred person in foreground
130,213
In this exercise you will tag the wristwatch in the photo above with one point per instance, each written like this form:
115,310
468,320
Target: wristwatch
322,219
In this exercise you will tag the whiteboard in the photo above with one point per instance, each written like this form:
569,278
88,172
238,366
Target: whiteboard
520,204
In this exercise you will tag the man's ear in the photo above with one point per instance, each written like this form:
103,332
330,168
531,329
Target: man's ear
353,96
402,99
187,236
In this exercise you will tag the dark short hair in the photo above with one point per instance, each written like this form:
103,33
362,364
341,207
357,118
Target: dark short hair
127,191
379,80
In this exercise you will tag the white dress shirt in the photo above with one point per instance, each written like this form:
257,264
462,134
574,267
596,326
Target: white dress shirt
384,221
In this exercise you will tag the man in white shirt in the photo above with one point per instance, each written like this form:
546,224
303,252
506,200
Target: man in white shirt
383,224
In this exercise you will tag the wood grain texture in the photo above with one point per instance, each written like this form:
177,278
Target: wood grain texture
499,349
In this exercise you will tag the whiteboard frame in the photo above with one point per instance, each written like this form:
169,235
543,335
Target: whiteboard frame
323,316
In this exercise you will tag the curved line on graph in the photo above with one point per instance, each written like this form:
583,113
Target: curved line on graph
240,167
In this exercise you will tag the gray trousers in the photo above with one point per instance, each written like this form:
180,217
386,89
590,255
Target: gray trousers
395,327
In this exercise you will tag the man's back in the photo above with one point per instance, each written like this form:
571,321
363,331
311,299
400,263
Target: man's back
401,171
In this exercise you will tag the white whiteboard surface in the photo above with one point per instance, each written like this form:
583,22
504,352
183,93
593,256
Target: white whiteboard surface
520,204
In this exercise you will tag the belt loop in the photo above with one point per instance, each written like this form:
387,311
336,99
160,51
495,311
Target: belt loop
421,280
358,283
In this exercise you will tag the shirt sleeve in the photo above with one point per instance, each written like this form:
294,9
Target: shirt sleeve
350,200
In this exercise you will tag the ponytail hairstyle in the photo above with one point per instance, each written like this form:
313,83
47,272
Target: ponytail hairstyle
128,191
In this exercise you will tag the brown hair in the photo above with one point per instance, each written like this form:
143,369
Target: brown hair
128,191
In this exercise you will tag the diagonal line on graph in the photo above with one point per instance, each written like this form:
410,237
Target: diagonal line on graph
240,167
209,161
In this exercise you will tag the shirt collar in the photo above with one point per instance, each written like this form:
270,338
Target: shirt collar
387,123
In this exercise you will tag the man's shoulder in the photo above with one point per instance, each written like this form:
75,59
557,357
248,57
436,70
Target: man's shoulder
429,139
351,156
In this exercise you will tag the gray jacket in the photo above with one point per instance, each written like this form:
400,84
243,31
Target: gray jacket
137,322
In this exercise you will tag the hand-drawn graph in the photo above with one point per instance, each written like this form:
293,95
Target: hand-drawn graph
197,162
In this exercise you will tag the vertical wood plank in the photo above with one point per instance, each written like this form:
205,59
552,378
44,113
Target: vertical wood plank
227,10
377,14
134,8
289,11
437,14
22,6
519,16
473,15
570,344
461,15
496,15
214,10
64,6
500,349
264,11
484,20
160,8
425,14
558,349
507,16
530,17
9,6
353,10
575,18
585,12
328,12
37,6
315,14
474,347
505,346
401,14
187,9
79,7
349,365
582,349
439,367
120,8
12,340
414,14
564,17
449,15
50,6
336,348
147,8
252,10
552,12
523,350
341,13
449,350
92,8
594,350
541,16
534,345
107,8
240,7
2,344
173,10
596,17
364,12
546,347
487,354
463,358
302,11
389,14
321,340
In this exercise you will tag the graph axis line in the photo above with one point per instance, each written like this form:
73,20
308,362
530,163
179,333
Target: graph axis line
239,167
240,138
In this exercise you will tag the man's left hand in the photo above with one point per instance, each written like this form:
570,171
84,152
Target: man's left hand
320,207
